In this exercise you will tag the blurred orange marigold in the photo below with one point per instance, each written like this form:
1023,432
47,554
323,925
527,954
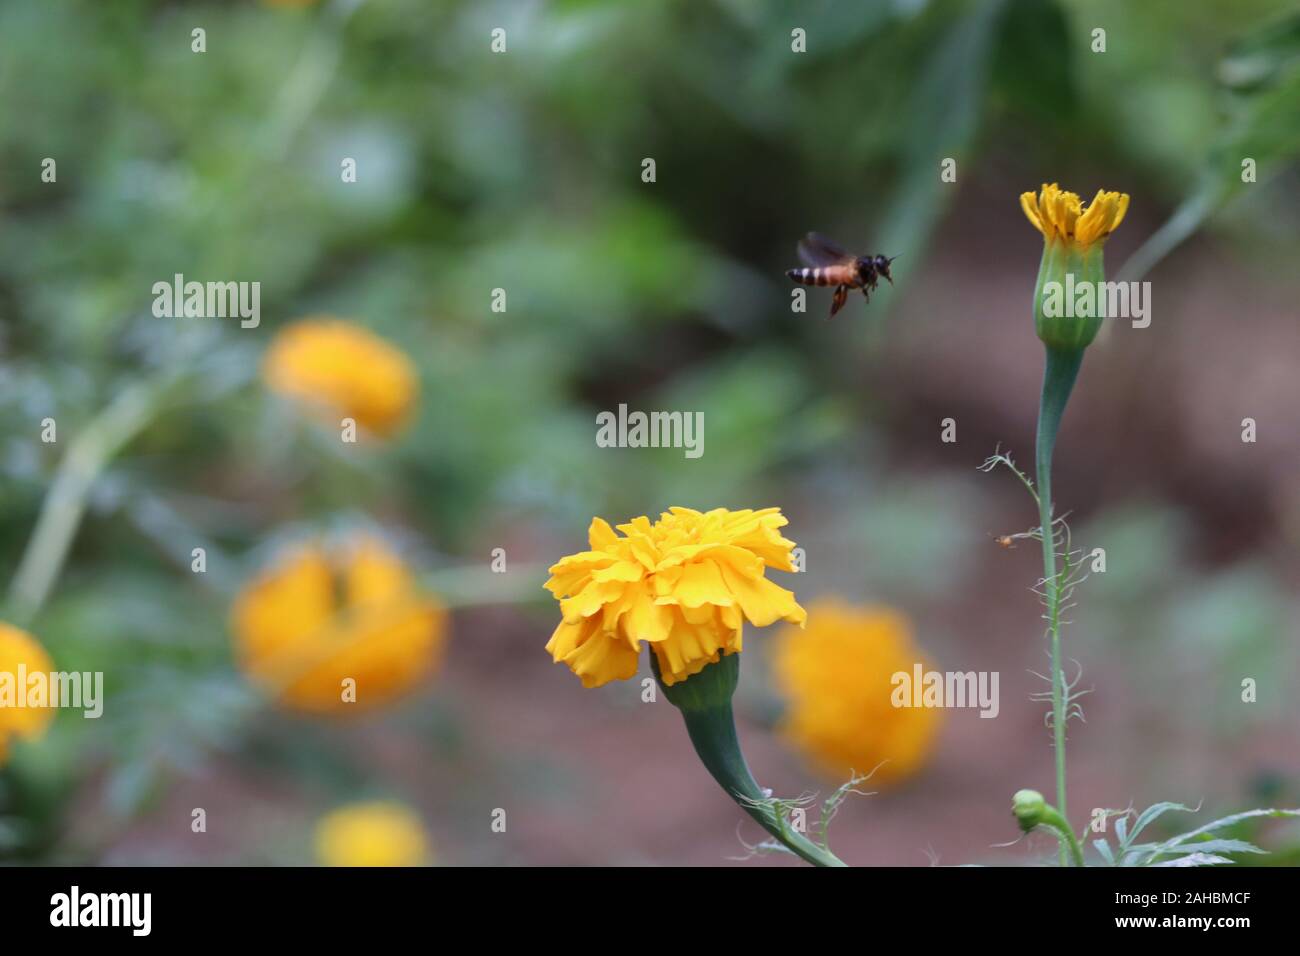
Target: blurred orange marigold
341,369
376,833
686,584
20,649
317,619
836,676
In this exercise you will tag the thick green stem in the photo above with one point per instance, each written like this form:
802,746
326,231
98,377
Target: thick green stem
1069,842
713,732
1058,379
705,702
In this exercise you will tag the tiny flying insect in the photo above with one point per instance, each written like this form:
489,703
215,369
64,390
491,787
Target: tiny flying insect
826,263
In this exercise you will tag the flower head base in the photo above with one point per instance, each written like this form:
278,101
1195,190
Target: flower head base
685,584
376,833
1059,215
19,650
331,631
837,678
342,370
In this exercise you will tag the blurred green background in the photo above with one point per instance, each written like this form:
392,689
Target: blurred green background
522,170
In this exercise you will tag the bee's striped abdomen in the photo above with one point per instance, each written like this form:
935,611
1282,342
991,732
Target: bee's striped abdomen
820,275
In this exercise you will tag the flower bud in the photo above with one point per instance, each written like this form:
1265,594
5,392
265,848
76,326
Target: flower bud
1067,296
1030,809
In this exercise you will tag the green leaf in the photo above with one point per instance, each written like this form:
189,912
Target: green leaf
1195,859
1208,846
1138,855
1152,813
1229,821
1104,851
1121,833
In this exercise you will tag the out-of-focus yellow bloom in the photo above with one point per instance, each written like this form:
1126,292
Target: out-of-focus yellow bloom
836,676
686,584
1058,214
343,370
371,834
317,619
20,649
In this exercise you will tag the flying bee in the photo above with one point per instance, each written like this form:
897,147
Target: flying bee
828,264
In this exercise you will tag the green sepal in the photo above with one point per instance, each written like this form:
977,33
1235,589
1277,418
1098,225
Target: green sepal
1062,259
711,687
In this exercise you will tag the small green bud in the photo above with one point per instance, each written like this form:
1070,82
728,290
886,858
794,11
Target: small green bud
1067,313
1030,809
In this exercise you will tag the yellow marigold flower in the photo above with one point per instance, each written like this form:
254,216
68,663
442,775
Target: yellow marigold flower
376,833
686,584
20,649
837,678
1058,214
318,618
342,370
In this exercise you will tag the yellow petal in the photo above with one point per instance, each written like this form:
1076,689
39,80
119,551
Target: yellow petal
600,535
762,601
646,620
590,600
602,658
700,584
1029,203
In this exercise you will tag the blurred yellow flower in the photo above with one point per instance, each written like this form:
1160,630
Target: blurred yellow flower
328,632
836,676
686,584
20,649
1058,214
371,834
343,370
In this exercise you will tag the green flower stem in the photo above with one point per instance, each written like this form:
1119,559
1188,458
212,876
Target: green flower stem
705,702
1061,370
1032,811
1069,842
65,502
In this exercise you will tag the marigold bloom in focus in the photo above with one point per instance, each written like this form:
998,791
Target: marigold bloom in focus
836,676
376,833
686,584
18,648
319,618
1058,214
342,370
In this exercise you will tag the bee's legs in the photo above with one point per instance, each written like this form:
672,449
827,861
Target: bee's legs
841,296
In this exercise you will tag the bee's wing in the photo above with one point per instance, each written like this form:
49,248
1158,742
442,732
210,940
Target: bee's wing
816,250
